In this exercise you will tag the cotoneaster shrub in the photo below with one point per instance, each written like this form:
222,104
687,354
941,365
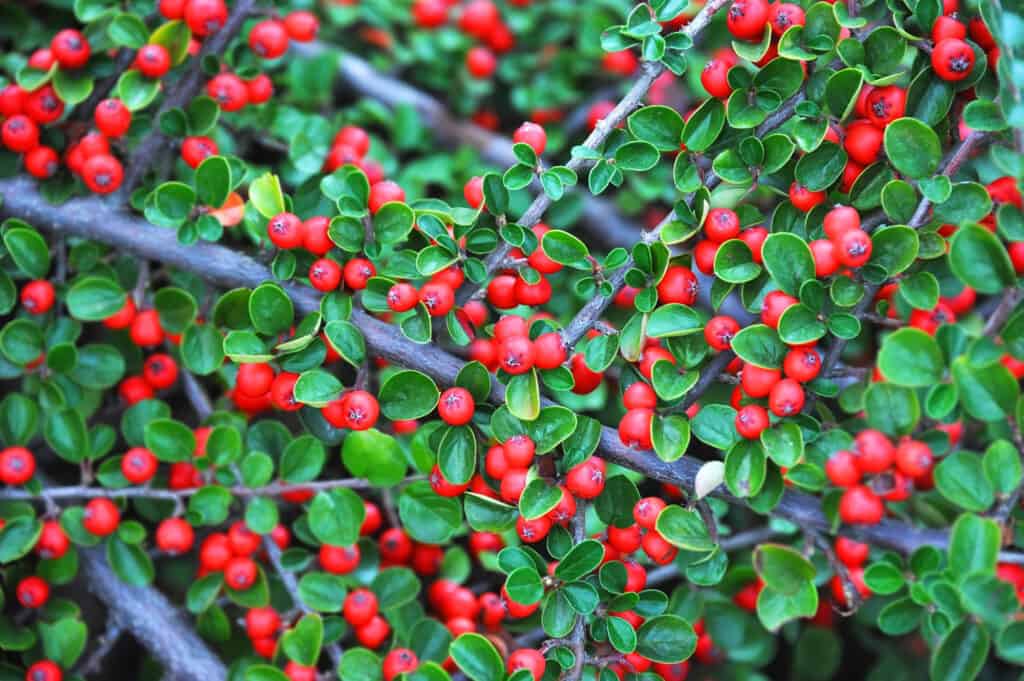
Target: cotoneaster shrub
516,339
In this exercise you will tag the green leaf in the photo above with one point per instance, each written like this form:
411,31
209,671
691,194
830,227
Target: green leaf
93,299
581,560
522,396
783,568
819,169
29,251
169,440
428,517
270,309
565,248
301,644
18,537
408,395
912,358
335,516
375,456
892,409
64,640
317,388
745,468
477,658
973,545
760,345
960,478
213,181
395,587
202,349
129,562
489,515
136,91
659,125
961,654
637,156
674,319
265,195
987,393
128,30
322,591
788,259
978,259
392,223
912,148
684,528
666,639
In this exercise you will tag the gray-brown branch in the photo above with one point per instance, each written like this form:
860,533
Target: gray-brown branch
92,218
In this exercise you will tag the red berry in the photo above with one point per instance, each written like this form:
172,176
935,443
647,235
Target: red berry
851,553
146,330
658,549
37,297
138,465
720,330
952,59
282,392
385,192
175,536
746,19
438,297
775,303
399,661
714,78
549,351
519,451
285,230
782,15
441,485
751,420
586,480
874,452
12,100
33,592
853,248
533,531
647,510
722,224
860,506
516,355
840,220
635,428
228,91
639,395
456,406
678,285
297,672
194,150
362,410
339,560
70,49
269,39
863,143
101,517
53,542
262,622
803,199
360,607
481,62
914,458
430,13
160,371
20,134
802,364
325,275
302,26
205,17
786,398
44,670
886,104
529,659
153,61
824,253
479,18
112,117
532,135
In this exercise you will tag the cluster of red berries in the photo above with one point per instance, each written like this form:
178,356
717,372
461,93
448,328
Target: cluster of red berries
233,94
480,19
875,471
269,38
204,17
233,553
721,225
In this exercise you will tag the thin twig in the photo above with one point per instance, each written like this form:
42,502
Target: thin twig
291,585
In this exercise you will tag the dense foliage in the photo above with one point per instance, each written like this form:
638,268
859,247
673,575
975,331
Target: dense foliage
511,339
